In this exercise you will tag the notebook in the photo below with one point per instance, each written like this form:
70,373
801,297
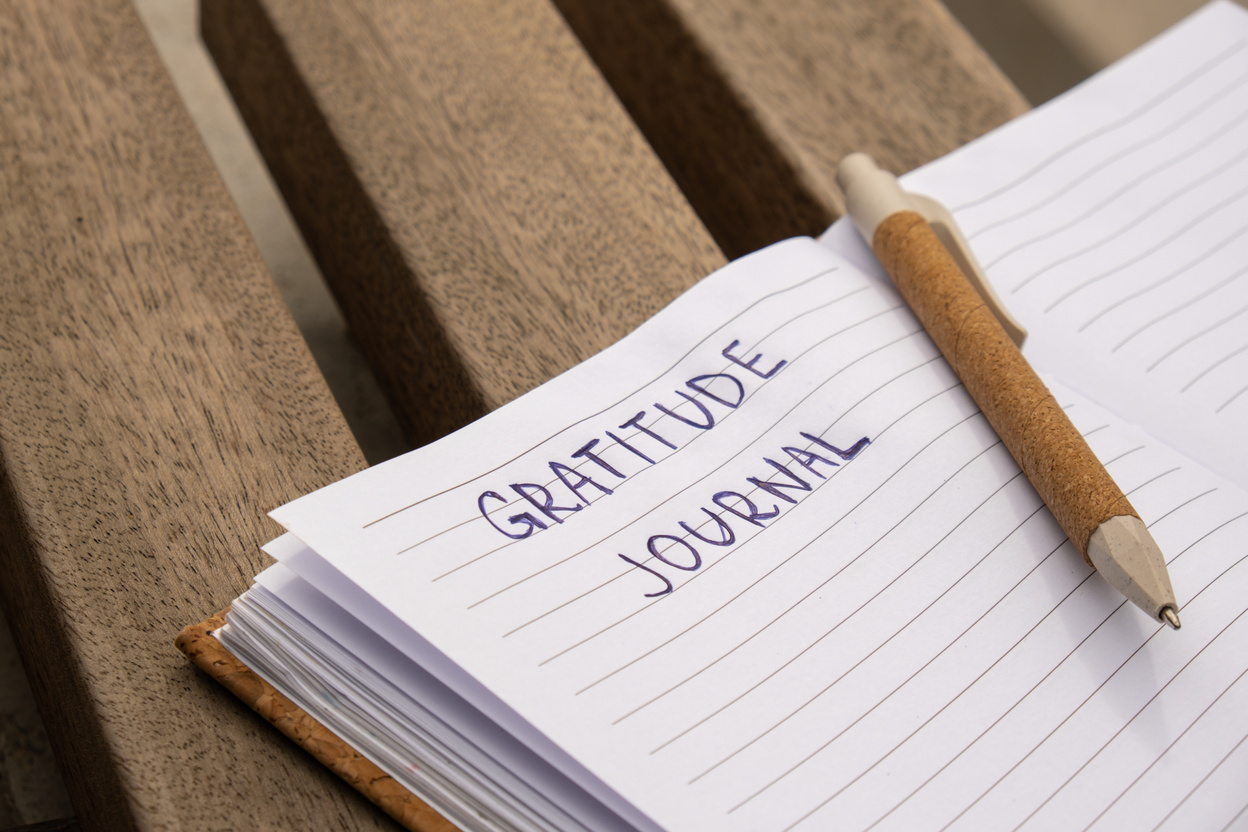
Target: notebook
763,565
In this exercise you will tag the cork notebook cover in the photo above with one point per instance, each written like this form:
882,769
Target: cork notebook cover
200,645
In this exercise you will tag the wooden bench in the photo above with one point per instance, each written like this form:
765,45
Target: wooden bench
487,214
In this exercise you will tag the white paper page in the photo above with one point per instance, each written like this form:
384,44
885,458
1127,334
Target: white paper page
884,648
1114,224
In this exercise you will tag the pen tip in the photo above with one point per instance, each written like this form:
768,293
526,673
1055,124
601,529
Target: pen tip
1171,617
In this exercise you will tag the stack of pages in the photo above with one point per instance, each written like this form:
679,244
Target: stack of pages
763,564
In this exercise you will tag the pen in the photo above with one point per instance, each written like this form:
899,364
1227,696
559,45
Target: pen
1083,497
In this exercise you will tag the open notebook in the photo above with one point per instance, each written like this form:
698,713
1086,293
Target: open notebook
763,565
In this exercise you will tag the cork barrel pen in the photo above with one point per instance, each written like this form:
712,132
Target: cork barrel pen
1085,500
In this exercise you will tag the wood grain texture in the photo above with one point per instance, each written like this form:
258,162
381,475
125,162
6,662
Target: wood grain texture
751,104
157,400
478,200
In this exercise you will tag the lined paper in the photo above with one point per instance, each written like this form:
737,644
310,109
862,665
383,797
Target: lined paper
763,564
1122,244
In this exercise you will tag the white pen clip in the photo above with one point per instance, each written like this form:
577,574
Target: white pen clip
873,194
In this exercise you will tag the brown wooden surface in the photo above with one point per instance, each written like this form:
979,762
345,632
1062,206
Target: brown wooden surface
480,203
156,401
751,104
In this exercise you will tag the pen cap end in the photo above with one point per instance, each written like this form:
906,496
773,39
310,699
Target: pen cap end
854,166
871,194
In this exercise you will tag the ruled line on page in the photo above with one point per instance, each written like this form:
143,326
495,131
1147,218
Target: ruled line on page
1120,123
1241,391
1117,610
1051,733
1113,674
1133,223
1202,254
1059,254
1192,603
1179,121
1174,309
1200,143
1213,327
901,629
1139,777
1211,772
926,722
1131,721
1006,653
1215,365
772,673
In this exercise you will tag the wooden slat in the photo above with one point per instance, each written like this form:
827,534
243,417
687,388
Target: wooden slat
156,401
485,214
483,208
752,104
